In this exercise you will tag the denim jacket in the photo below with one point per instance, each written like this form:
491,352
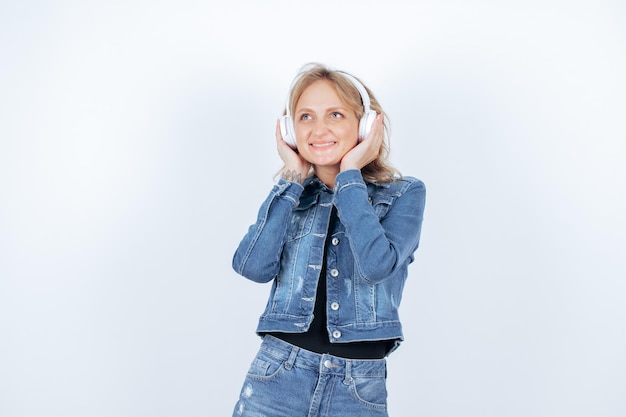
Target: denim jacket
369,250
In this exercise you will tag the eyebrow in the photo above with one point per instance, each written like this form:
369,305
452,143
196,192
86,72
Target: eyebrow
330,109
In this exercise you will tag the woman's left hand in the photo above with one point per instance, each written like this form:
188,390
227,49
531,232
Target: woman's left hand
367,150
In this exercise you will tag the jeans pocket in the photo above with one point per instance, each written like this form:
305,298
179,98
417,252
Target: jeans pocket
265,366
371,391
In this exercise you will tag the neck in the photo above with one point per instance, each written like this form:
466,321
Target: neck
327,175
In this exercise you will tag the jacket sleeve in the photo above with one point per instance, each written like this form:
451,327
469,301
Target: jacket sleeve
380,246
258,255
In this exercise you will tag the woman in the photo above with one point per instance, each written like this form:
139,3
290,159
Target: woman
335,236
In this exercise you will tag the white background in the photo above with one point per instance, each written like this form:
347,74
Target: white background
136,143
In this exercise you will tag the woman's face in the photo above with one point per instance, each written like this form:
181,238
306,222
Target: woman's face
326,127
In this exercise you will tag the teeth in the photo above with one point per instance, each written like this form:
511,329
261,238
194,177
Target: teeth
321,145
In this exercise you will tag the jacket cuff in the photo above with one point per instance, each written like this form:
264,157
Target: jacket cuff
288,190
349,178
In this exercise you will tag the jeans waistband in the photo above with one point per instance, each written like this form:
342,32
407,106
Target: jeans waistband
324,363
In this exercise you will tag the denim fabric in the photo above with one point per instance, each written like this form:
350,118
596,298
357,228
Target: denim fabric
287,381
371,247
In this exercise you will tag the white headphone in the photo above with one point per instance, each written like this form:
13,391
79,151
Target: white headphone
287,128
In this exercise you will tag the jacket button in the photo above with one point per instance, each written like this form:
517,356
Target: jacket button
334,273
334,306
336,334
335,241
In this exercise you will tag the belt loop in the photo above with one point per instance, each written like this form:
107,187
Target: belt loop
292,358
348,378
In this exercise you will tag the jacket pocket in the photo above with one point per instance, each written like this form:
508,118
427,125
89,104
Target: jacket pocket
302,218
381,204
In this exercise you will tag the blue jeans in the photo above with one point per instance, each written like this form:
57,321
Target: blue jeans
287,381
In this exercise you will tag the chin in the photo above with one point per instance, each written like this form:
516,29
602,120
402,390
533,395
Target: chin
323,161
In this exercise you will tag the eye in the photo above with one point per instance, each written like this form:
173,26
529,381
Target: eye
336,115
305,116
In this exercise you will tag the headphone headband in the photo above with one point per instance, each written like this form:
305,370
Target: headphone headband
365,98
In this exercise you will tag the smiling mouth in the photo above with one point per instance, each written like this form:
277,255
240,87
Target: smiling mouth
322,145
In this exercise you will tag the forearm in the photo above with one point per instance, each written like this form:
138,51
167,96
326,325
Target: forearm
258,255
379,246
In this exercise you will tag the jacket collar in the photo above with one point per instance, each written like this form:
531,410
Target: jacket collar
314,185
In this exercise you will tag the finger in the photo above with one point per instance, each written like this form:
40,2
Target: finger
280,143
377,134
377,129
378,125
279,135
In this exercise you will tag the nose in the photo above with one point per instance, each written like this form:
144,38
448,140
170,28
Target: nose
321,127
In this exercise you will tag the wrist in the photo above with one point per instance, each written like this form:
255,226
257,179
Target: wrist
347,166
292,175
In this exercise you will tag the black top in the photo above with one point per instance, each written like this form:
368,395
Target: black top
316,339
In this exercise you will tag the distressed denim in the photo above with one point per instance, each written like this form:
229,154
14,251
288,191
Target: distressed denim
369,251
287,381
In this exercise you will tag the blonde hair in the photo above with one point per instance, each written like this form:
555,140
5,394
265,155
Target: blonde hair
379,170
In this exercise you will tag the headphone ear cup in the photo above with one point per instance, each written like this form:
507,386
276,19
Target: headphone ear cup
286,130
365,125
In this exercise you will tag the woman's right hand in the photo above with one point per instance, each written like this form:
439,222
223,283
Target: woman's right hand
296,168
